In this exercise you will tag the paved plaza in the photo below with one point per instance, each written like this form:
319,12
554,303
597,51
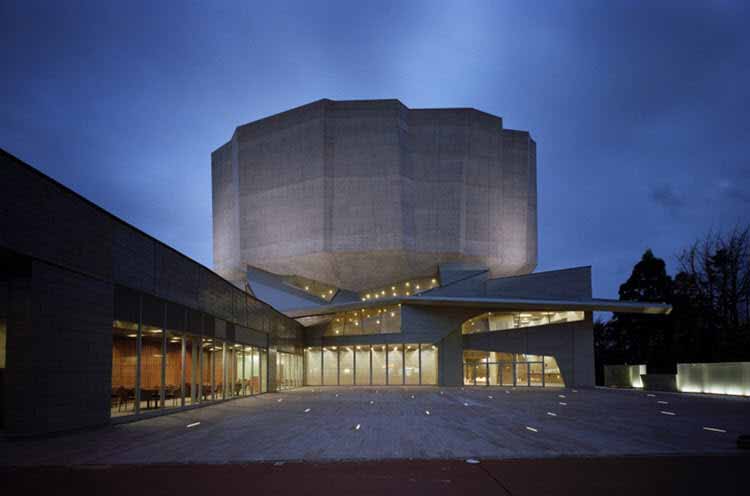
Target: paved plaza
331,424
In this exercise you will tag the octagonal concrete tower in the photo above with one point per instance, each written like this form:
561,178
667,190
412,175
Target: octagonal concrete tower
358,194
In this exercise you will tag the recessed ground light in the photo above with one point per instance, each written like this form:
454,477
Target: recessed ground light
552,414
280,400
563,403
663,402
307,410
472,461
531,429
337,395
713,429
651,395
575,390
412,396
441,392
490,397
561,396
664,412
372,402
356,427
426,412
466,404
507,392
278,464
194,424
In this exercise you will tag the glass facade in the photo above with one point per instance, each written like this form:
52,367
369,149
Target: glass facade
403,288
313,367
482,368
411,364
385,320
395,364
124,367
155,370
346,366
288,370
377,365
501,321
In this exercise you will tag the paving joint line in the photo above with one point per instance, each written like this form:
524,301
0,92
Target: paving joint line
497,481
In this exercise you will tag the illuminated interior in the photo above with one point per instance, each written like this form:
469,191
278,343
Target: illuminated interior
491,368
321,290
365,365
403,288
385,320
501,321
194,369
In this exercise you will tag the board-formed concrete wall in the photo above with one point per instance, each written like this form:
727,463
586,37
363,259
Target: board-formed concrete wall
359,194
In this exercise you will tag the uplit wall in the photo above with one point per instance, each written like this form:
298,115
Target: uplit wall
716,378
624,375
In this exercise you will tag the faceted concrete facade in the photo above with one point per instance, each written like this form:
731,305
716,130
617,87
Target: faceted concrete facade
358,194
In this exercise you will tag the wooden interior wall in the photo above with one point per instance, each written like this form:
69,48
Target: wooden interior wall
123,362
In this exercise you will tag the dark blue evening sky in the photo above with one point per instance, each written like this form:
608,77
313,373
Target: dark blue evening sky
641,113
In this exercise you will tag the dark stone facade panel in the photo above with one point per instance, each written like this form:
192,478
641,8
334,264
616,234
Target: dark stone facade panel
59,353
42,220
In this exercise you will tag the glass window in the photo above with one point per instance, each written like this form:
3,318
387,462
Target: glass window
429,364
234,376
469,373
263,371
395,364
499,321
378,365
288,370
192,370
401,288
256,386
207,369
507,373
173,371
330,366
313,370
494,374
247,370
281,370
218,369
124,362
522,374
346,366
384,320
552,375
411,364
362,376
475,367
536,373
151,360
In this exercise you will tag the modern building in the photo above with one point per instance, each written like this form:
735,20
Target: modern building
404,241
100,322
355,243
